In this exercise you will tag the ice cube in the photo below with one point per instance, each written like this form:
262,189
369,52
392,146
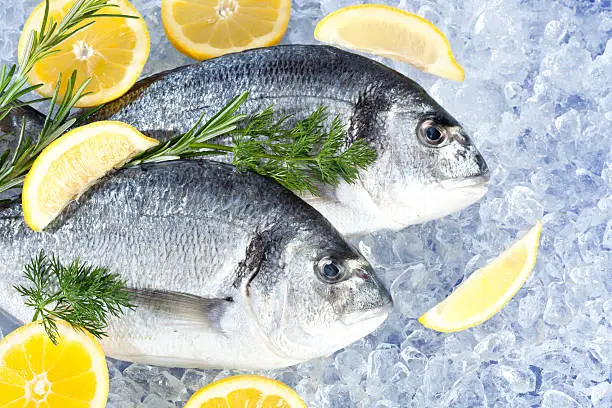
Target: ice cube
126,390
467,392
601,394
520,380
381,362
168,386
140,374
495,345
557,312
154,401
351,366
557,399
194,379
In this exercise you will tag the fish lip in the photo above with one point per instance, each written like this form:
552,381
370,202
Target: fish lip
380,313
467,182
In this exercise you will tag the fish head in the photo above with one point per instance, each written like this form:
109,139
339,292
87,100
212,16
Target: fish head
320,298
427,166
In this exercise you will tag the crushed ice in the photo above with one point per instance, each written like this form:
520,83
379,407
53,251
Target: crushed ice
538,103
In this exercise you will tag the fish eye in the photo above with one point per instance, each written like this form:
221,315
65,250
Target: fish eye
431,134
329,271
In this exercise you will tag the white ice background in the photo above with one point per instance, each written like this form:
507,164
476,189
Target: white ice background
537,101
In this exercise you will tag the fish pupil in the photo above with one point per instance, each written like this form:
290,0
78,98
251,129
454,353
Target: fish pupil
330,270
433,134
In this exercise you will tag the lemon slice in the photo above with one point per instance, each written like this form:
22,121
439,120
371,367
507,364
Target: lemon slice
36,373
204,29
488,289
391,32
69,165
246,391
112,52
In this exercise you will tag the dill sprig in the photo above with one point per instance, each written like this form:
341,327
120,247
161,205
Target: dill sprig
14,84
299,157
85,296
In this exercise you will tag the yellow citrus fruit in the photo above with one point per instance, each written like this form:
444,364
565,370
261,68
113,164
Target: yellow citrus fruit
246,391
36,373
204,29
112,52
488,289
391,32
69,165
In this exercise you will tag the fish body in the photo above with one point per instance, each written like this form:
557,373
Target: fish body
426,167
227,269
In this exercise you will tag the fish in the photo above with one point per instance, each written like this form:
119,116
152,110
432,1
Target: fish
427,166
226,269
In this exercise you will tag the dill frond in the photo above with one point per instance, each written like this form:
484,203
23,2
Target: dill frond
83,295
299,156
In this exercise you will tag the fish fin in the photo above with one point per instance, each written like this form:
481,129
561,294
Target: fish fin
183,308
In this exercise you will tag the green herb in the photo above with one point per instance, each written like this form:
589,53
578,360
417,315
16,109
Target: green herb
43,43
80,294
14,166
298,156
13,84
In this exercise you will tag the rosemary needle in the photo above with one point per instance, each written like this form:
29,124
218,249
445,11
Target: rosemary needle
14,84
299,157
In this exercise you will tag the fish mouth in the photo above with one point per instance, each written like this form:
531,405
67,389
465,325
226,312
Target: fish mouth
468,183
375,317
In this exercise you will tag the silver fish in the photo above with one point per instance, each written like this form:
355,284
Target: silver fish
228,270
427,166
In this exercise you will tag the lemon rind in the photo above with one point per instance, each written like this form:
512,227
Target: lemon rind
33,217
141,54
68,333
432,319
268,386
203,51
446,67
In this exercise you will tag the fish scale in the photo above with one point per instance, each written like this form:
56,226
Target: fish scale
211,256
411,181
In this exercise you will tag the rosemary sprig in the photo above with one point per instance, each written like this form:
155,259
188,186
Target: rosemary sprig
14,166
185,145
80,294
298,157
43,43
13,85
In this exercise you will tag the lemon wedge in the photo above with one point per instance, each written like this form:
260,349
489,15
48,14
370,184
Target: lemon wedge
487,290
246,391
69,165
204,29
36,373
391,32
112,52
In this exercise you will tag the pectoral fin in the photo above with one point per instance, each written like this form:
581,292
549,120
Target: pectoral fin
183,308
